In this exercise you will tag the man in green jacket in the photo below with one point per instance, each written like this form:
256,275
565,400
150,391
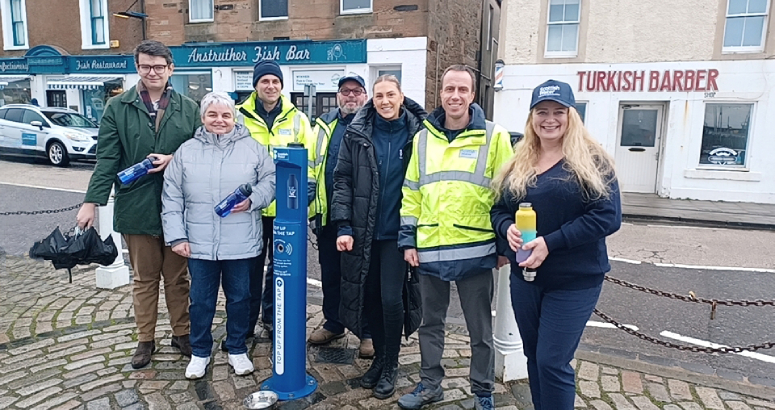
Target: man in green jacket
150,120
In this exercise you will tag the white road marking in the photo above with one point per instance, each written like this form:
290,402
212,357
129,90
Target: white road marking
43,187
703,343
630,261
604,325
732,268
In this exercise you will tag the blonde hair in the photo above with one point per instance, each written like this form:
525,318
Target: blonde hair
589,164
389,78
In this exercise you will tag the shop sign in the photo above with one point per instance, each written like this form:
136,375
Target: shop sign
323,80
283,52
722,156
102,64
13,65
650,81
243,80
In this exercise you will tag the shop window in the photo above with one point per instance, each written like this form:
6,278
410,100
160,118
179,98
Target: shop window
272,10
394,71
200,11
194,85
16,92
321,103
562,32
14,15
355,6
94,25
581,108
745,25
725,134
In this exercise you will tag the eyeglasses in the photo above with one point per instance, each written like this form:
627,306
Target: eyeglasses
145,69
356,92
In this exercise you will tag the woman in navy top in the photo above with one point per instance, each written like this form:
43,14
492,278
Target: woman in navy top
571,183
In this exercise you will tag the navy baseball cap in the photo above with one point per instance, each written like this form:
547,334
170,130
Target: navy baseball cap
354,77
556,91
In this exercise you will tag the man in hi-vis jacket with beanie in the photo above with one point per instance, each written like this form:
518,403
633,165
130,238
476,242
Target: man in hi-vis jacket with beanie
273,121
446,231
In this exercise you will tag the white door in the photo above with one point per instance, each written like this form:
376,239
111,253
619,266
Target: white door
637,151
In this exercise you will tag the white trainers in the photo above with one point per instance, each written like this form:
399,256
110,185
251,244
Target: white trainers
241,364
197,367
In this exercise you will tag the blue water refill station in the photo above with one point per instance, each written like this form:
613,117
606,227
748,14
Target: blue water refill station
289,374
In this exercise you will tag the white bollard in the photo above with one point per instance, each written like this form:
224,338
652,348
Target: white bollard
116,274
510,360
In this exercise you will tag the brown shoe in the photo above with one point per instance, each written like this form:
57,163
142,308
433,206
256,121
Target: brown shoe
183,344
143,354
366,349
323,336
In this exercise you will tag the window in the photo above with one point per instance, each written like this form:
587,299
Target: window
562,33
394,71
321,104
200,11
14,114
725,134
97,22
30,116
16,92
489,27
272,10
192,84
14,15
581,108
355,6
94,25
745,25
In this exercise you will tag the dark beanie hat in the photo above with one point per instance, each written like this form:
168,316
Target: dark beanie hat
265,67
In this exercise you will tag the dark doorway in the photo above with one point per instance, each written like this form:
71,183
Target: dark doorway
56,98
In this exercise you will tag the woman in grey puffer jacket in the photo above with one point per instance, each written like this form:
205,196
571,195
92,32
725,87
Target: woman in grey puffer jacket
204,170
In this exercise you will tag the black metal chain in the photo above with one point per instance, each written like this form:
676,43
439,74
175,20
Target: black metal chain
695,349
45,211
691,297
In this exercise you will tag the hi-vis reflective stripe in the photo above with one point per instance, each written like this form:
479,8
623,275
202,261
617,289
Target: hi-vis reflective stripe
409,220
476,178
446,255
319,157
296,127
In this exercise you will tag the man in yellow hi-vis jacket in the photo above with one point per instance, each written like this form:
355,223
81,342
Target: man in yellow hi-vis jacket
329,131
273,121
446,231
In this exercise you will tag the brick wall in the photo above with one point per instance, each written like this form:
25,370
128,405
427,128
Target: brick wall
307,19
453,38
58,23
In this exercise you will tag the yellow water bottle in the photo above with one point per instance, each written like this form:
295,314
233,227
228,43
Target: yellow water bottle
526,224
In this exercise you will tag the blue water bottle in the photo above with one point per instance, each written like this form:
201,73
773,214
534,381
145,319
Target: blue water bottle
240,194
130,174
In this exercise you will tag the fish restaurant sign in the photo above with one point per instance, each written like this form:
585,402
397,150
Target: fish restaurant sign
283,52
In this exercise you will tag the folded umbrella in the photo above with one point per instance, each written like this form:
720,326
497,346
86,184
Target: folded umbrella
81,248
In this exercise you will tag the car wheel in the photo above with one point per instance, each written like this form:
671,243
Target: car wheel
57,154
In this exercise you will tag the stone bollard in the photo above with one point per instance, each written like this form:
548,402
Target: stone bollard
116,274
510,360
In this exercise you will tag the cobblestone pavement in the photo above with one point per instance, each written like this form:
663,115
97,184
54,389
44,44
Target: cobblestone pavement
68,346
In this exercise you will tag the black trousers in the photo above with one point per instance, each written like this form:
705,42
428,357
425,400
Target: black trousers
383,303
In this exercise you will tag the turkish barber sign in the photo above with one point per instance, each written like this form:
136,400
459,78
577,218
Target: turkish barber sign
283,52
651,81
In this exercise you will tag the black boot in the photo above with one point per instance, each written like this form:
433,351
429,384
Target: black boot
371,377
387,381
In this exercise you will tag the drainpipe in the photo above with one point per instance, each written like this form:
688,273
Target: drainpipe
143,20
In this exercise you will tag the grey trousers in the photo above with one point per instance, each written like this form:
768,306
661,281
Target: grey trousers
475,298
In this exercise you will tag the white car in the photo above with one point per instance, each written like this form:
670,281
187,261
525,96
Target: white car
60,134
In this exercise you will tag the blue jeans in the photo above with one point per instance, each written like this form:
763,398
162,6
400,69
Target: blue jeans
263,301
551,322
205,281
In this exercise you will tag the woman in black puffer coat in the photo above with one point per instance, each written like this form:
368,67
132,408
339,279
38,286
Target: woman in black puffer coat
365,205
